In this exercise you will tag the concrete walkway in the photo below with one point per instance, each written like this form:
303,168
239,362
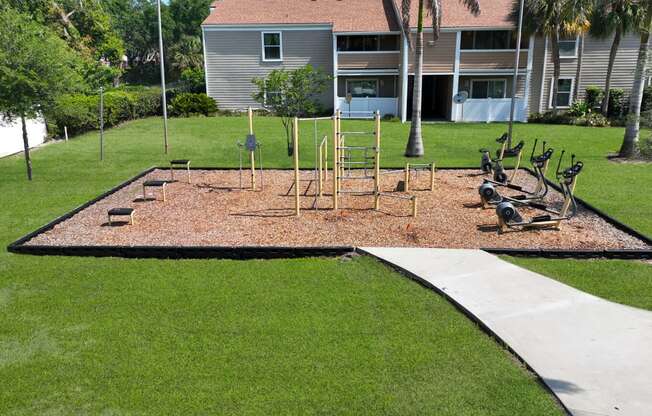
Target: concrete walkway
595,355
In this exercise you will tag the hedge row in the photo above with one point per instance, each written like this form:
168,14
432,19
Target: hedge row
80,113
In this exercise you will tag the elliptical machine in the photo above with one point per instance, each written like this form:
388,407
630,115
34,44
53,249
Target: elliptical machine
509,217
496,166
489,195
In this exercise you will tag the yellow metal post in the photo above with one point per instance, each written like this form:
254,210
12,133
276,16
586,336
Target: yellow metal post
414,206
320,176
432,176
335,160
407,177
377,164
252,157
297,193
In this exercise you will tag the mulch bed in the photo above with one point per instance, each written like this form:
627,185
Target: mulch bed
213,211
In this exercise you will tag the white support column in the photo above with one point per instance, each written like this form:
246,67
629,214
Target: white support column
456,76
404,78
335,80
543,75
203,42
528,78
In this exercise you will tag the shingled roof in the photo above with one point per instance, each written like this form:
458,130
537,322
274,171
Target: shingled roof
350,15
493,13
343,15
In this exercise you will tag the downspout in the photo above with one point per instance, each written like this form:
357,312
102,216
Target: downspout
456,76
578,74
404,78
203,42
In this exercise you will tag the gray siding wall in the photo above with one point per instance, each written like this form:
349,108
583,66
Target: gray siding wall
594,67
234,58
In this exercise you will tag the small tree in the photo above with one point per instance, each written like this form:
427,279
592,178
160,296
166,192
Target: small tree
35,68
291,93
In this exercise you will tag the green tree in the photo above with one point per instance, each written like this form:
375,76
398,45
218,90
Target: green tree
291,93
35,68
554,19
613,18
188,16
415,140
629,147
185,54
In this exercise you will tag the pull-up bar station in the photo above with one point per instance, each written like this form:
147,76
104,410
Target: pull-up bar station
347,159
251,145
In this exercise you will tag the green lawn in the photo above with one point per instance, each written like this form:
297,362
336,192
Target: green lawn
82,335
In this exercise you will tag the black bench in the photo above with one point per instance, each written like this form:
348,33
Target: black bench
179,162
154,184
121,212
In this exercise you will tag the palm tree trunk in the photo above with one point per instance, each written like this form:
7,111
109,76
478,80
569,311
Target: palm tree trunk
610,67
28,160
415,141
629,147
556,70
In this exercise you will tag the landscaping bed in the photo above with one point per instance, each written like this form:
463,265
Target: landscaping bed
213,211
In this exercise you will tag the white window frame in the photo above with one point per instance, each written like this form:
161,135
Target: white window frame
574,56
346,85
570,99
503,80
262,43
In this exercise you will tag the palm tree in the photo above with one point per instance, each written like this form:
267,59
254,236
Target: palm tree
617,18
629,147
554,19
415,141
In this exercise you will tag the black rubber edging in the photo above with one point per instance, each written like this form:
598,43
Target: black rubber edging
472,317
269,252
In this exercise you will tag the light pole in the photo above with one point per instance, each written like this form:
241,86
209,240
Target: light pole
101,123
514,80
165,105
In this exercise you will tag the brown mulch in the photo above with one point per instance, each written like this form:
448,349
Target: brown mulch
213,211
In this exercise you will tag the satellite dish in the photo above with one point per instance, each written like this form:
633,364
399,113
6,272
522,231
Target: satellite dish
461,97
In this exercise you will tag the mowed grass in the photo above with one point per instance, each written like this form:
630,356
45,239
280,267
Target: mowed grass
626,282
83,335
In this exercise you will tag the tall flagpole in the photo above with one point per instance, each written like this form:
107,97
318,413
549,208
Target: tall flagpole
515,78
165,105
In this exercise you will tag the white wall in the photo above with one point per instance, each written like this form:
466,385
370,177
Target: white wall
11,135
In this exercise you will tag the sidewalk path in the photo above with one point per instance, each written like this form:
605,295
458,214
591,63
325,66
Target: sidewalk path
595,355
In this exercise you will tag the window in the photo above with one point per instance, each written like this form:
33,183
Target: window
564,92
272,48
368,43
491,40
568,47
488,88
362,87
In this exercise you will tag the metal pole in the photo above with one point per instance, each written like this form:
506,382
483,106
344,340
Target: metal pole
514,81
165,105
297,195
101,123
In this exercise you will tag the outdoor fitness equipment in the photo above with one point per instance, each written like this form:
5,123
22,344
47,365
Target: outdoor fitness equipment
490,195
251,145
509,217
486,163
416,168
496,166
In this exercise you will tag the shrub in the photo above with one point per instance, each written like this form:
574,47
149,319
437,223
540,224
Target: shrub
579,108
549,118
187,104
193,80
647,99
617,104
80,113
594,96
592,120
